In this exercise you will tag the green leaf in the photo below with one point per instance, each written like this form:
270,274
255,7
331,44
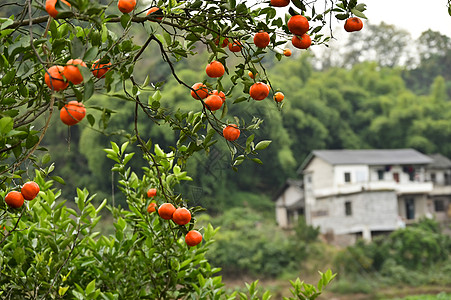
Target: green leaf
90,287
262,145
58,179
358,13
89,89
6,125
76,47
91,54
256,160
125,19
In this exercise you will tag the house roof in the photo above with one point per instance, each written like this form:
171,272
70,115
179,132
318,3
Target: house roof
369,157
439,161
289,182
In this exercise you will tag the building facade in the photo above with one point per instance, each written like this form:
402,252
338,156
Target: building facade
354,194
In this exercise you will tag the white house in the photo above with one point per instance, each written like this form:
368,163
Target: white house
361,193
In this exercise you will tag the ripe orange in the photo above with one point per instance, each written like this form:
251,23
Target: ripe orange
71,71
215,69
259,91
156,13
151,193
261,39
30,190
353,24
193,238
199,91
251,75
14,199
72,113
181,216
99,70
220,94
50,7
235,46
225,42
166,211
280,3
56,80
287,52
213,102
298,25
126,6
231,132
279,96
302,42
152,207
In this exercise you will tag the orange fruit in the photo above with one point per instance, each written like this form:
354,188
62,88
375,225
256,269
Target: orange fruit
199,91
220,94
280,3
298,25
151,193
261,39
55,81
259,91
302,42
193,238
353,24
71,71
279,96
287,52
126,6
72,113
215,69
251,75
152,207
225,42
213,102
235,46
231,132
14,199
50,7
156,13
30,190
99,70
181,216
166,211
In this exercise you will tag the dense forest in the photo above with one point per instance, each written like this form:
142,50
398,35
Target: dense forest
359,95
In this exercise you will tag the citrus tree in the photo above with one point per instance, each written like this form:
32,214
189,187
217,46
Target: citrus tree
55,55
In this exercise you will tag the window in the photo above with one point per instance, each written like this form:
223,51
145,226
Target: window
396,177
348,208
410,208
347,177
380,174
433,177
439,205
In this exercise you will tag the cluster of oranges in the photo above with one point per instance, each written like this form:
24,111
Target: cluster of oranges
180,216
57,79
29,191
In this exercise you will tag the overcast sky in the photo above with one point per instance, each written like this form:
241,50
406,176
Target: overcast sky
414,16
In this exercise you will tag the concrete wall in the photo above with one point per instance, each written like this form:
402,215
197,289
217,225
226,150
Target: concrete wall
292,196
371,211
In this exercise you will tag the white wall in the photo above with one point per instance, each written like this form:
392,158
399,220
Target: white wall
371,211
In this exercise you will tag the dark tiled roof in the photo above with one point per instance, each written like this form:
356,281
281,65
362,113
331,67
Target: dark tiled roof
439,161
370,157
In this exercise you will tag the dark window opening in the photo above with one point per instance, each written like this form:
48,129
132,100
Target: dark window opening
433,178
347,177
380,174
396,177
439,205
348,208
410,209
